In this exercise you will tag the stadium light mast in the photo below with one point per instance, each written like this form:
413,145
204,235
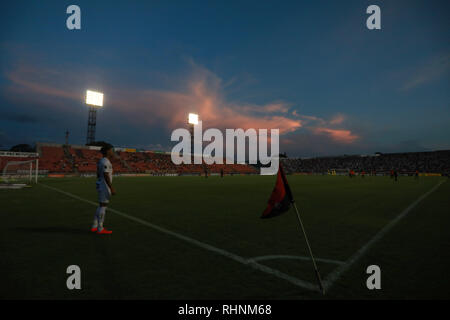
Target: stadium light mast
95,101
192,121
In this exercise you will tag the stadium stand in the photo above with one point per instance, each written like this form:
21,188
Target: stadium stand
60,159
54,160
403,163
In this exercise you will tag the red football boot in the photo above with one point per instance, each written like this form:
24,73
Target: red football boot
104,231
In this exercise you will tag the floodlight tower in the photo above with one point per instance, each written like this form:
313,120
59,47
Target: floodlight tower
95,101
192,121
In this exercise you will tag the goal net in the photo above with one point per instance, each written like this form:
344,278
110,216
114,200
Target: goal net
20,172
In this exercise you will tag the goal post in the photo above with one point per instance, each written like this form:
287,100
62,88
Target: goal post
21,171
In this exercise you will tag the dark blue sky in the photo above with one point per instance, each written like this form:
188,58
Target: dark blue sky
310,68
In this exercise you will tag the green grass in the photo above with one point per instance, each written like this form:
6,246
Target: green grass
42,232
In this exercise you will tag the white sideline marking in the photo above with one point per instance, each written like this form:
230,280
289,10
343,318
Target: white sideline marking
336,273
282,256
232,256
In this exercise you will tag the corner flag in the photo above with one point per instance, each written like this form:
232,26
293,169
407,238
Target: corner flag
279,202
281,197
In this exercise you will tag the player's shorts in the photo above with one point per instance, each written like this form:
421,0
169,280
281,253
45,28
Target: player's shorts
104,194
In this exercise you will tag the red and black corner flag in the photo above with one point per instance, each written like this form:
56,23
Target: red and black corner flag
281,197
280,201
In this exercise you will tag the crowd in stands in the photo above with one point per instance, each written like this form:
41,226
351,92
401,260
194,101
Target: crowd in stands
55,160
66,159
403,163
69,160
85,160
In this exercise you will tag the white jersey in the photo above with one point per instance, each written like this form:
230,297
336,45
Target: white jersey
103,166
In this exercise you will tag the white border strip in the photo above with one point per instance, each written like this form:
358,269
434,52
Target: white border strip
232,256
336,273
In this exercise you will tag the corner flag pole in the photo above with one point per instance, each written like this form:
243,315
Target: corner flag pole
280,193
322,289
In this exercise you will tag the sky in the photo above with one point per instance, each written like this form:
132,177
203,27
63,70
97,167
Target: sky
311,69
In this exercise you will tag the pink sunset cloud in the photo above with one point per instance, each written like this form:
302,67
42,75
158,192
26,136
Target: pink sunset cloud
200,93
338,135
339,119
27,80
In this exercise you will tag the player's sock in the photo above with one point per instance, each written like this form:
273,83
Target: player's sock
95,223
101,218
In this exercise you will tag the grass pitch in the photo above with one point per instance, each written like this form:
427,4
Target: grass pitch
44,231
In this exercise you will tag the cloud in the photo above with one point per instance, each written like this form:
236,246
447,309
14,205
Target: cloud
338,135
432,70
39,86
333,128
201,92
339,119
306,143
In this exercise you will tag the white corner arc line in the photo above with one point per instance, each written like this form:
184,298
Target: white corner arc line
283,256
232,256
336,273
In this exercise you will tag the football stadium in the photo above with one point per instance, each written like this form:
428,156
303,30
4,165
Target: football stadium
171,243
135,152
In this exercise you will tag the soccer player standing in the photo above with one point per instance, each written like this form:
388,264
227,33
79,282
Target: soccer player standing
104,189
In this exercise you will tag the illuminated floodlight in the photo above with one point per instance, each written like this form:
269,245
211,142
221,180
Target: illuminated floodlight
193,118
94,98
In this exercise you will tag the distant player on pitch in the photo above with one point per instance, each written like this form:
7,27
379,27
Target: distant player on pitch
104,189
